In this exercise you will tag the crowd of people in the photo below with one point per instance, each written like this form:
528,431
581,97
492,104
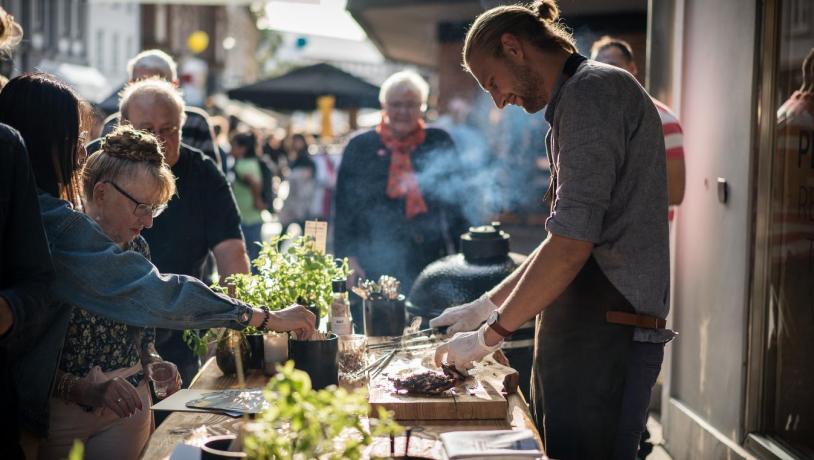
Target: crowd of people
108,244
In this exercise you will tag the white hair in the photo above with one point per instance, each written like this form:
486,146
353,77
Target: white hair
403,81
158,62
155,87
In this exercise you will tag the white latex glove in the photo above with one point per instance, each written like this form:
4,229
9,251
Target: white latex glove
466,317
465,349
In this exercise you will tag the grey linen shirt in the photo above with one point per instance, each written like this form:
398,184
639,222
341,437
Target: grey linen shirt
606,149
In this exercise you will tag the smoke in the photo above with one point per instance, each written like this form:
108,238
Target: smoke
495,166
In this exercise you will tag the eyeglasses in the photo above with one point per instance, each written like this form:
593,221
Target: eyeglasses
141,209
166,131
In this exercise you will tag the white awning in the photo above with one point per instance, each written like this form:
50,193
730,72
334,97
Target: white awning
87,81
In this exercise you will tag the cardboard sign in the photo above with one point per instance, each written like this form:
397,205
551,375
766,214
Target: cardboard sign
318,232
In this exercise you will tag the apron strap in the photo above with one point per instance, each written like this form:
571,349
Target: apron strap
636,320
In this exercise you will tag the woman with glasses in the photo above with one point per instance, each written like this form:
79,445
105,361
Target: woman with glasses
125,185
92,270
397,202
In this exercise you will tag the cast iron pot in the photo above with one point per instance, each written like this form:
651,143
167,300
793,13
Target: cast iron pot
317,358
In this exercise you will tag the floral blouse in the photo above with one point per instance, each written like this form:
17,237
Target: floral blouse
97,341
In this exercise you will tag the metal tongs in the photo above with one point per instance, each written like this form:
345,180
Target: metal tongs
376,366
412,339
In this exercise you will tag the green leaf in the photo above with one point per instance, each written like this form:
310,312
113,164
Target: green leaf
303,423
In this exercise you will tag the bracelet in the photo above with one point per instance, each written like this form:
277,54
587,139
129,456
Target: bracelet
266,316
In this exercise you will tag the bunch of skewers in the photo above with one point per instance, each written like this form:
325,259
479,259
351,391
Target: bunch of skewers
419,341
386,288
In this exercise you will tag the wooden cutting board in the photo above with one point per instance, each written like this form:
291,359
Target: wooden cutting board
478,398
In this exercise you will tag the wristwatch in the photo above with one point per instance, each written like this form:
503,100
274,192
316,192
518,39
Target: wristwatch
492,321
244,317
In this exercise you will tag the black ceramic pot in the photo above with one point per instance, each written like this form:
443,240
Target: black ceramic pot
217,448
317,358
384,317
255,342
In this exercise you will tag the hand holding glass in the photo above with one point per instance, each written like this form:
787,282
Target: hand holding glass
165,378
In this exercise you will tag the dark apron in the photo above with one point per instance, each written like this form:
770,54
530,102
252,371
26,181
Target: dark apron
580,361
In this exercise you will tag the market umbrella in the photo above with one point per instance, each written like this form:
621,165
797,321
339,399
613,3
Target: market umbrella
300,89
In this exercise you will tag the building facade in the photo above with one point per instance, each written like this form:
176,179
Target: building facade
739,376
84,43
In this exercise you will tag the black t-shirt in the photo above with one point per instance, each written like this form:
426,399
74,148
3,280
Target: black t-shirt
201,214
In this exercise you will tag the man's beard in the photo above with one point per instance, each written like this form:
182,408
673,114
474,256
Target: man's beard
529,87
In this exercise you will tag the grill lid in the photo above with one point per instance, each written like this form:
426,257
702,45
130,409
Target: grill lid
485,242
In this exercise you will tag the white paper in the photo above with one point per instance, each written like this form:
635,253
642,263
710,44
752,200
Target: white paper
177,402
504,444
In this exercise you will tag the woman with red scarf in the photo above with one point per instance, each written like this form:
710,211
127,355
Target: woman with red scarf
398,205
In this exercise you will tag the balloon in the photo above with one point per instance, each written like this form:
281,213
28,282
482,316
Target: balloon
198,41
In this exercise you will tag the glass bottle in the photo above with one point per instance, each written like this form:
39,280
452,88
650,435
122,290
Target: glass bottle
340,319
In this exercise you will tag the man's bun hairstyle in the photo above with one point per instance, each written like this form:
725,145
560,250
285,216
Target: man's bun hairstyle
547,10
538,23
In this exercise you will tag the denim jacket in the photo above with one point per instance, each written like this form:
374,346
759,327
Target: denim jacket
94,273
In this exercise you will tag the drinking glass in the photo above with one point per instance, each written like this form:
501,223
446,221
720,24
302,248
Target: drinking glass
352,357
163,374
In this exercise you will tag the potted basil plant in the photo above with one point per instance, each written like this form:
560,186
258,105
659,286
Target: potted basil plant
289,271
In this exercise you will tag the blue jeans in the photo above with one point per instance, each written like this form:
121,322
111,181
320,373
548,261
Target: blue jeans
643,366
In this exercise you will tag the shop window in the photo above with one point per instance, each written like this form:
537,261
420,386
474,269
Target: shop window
788,408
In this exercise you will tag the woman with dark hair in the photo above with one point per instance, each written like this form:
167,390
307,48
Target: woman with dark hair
90,269
25,264
52,136
247,187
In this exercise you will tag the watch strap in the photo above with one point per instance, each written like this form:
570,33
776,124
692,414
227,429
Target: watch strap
501,331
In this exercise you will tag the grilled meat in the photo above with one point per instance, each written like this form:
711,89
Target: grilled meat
429,382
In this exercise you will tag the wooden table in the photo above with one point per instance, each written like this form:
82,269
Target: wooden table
191,427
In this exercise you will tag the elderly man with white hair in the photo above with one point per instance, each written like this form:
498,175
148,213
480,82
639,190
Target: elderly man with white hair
201,217
398,204
197,131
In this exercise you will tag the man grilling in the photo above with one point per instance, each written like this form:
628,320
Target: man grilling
600,281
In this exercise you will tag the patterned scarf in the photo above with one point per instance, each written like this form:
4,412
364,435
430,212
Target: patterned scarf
401,180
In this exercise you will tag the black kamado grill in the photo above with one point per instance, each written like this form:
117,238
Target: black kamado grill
484,261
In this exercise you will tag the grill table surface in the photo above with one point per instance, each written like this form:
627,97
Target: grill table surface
191,427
